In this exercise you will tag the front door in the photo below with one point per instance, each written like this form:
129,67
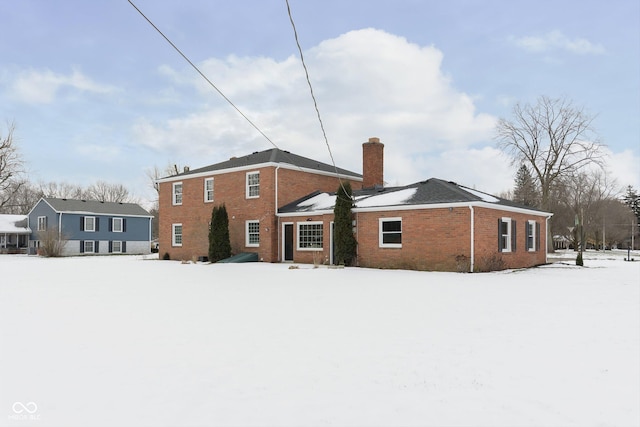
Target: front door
288,242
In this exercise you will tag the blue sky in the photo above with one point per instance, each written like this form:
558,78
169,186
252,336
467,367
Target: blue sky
97,94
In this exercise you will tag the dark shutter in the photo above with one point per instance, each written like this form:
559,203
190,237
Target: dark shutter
527,231
513,235
97,227
538,236
81,223
81,246
96,247
110,221
110,246
124,247
500,248
124,225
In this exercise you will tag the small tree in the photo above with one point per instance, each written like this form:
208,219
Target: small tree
345,241
52,243
219,242
526,190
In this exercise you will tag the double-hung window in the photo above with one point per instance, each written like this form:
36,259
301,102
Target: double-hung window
89,247
253,185
176,234
390,232
116,225
253,233
116,247
208,190
176,195
533,236
89,224
42,223
310,236
506,235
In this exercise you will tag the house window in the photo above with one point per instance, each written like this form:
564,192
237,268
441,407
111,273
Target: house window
533,236
42,223
116,247
89,247
89,223
310,235
253,233
176,233
208,190
506,235
116,225
253,185
390,232
177,193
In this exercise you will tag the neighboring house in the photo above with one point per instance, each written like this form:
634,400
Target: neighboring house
14,233
92,227
429,225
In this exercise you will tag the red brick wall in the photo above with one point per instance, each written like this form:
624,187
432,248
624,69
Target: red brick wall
434,239
372,163
229,188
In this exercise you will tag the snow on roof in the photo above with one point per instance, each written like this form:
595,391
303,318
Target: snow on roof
484,196
387,199
319,202
14,224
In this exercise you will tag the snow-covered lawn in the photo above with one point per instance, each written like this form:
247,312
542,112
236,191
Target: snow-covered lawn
123,341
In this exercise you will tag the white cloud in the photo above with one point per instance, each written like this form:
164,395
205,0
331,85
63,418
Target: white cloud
624,167
367,83
41,86
556,40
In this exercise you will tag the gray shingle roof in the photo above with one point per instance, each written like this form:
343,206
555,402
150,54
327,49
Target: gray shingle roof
431,191
273,155
96,207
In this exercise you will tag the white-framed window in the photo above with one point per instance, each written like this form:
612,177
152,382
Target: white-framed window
252,233
310,236
116,247
42,223
390,232
89,223
208,190
89,247
176,193
533,232
506,235
176,234
253,185
116,225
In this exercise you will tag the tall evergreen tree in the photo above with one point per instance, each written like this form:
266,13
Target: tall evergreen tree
345,241
632,199
219,241
525,191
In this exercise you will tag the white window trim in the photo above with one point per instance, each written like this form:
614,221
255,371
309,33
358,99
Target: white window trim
298,226
206,193
42,223
113,247
174,194
173,235
93,247
247,187
532,229
507,247
381,234
246,230
113,225
93,229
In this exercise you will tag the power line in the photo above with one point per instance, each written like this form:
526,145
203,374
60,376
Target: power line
203,76
315,103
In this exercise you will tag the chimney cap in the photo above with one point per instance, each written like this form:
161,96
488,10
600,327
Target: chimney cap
374,139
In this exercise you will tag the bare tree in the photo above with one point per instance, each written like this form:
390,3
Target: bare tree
11,167
553,137
107,192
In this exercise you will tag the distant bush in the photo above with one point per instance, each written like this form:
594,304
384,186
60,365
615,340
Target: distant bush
579,260
51,242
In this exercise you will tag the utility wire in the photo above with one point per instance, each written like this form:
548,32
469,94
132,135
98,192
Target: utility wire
203,76
315,103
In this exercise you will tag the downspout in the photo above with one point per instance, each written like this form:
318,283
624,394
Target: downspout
60,226
546,236
471,264
275,211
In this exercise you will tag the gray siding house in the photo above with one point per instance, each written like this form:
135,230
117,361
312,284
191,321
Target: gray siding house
92,227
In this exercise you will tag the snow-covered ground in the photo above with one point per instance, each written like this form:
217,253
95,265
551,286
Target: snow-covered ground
124,341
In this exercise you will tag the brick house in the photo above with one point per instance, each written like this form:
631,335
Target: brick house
281,206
